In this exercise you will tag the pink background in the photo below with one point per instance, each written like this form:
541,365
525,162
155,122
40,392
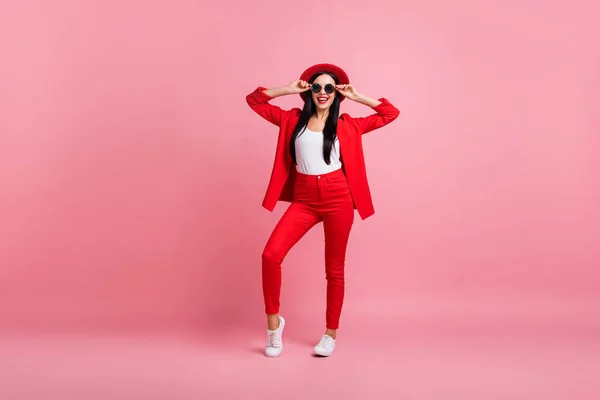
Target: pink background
132,170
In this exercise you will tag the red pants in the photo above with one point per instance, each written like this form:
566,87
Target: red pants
317,198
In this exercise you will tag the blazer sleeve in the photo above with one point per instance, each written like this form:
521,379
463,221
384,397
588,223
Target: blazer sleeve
259,102
385,113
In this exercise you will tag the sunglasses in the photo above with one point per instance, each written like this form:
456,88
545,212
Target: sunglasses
316,88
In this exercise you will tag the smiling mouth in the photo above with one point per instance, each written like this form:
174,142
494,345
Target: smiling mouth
322,99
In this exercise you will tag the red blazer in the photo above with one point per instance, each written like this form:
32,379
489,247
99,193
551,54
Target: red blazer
349,132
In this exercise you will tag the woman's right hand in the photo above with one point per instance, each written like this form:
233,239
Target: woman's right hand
299,86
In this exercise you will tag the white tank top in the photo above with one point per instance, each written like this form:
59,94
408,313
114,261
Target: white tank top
309,154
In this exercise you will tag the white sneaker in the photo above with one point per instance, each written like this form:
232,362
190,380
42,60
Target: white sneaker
274,341
325,347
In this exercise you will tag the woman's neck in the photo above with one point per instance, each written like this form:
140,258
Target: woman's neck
321,115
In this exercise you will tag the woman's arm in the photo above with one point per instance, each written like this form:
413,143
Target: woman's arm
259,99
385,111
367,101
278,91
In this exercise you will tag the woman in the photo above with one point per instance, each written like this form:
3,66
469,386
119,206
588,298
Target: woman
319,168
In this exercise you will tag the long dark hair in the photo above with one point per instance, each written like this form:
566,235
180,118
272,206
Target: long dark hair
330,129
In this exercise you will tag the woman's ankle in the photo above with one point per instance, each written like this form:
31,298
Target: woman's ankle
272,321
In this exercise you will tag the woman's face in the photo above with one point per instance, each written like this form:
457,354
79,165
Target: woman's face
322,99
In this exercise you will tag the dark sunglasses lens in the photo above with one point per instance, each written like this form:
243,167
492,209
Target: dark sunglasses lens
329,88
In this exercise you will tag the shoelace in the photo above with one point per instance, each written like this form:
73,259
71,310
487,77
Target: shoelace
325,341
274,340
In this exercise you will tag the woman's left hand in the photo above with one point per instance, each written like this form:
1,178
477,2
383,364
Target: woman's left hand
348,91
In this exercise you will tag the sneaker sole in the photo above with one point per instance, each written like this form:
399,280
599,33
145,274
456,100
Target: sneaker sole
321,354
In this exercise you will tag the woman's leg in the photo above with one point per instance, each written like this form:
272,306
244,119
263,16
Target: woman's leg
293,225
337,224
